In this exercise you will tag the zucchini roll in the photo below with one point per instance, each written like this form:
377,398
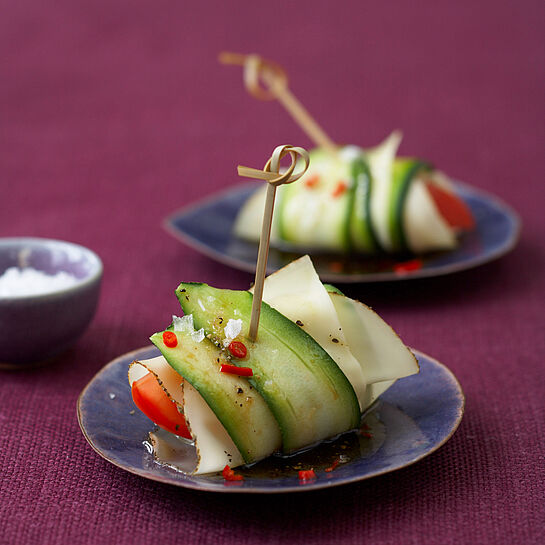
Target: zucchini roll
362,201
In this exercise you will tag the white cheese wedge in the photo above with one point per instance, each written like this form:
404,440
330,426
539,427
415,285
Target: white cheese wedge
215,449
373,342
425,228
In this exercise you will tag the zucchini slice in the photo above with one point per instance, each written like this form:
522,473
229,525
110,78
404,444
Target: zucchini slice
235,402
314,212
403,172
362,232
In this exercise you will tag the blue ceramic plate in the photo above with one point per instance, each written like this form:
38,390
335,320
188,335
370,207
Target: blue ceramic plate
412,419
207,227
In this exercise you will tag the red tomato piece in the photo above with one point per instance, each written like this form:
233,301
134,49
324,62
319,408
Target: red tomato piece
453,209
154,402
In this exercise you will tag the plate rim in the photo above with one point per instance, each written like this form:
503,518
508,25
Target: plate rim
389,276
312,486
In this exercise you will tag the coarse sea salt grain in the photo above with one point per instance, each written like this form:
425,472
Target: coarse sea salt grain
17,282
198,336
185,324
232,331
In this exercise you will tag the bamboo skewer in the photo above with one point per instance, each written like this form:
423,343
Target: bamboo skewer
276,80
262,256
270,173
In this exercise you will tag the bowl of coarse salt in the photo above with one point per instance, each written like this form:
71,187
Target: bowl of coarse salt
49,292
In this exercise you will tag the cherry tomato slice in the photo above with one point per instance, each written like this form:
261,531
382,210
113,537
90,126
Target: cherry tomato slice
453,209
153,401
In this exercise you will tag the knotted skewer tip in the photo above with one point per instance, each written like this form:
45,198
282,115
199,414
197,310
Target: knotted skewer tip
271,173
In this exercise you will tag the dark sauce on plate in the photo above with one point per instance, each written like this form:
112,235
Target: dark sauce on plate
331,454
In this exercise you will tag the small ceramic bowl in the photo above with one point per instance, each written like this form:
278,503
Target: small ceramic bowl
35,328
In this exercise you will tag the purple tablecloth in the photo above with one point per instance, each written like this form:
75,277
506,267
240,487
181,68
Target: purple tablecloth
113,114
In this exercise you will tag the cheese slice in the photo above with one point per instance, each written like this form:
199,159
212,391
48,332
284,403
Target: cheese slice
214,447
425,228
382,354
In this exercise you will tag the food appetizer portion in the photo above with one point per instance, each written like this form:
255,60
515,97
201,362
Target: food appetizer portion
362,201
350,199
319,361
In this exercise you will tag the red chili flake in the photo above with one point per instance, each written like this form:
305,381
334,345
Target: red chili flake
312,180
238,349
230,475
170,339
234,370
307,475
340,188
366,434
333,465
408,266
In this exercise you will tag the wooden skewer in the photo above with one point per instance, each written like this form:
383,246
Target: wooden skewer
262,256
270,173
274,76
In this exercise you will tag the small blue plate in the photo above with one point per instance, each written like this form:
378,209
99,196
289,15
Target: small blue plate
412,419
207,227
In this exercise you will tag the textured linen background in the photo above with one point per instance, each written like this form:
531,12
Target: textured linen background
115,113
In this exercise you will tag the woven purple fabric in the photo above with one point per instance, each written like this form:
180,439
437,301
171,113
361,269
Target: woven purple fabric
114,114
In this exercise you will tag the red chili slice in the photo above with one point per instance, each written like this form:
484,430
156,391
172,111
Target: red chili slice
238,349
333,465
234,370
307,475
230,475
340,188
408,266
312,181
170,339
